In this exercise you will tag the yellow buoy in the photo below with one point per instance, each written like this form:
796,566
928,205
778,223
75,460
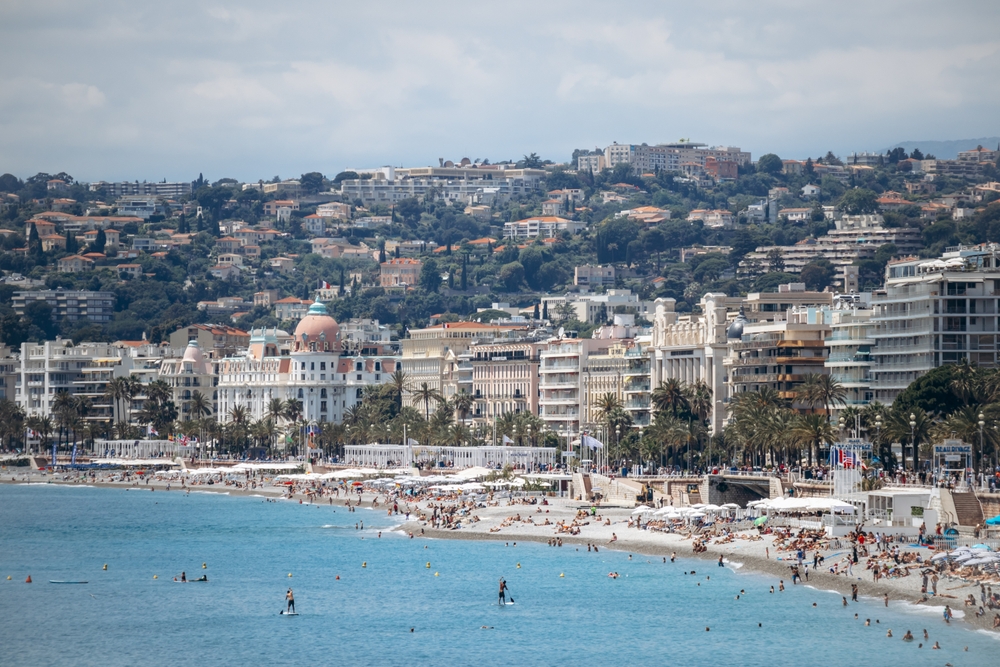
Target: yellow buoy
204,566
364,564
155,577
519,566
561,574
105,566
436,574
8,577
428,565
289,574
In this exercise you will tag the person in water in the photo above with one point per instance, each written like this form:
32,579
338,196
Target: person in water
184,577
503,591
290,609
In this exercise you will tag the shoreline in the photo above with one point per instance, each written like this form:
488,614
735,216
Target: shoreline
737,554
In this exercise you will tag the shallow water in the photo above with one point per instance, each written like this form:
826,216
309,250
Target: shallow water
654,613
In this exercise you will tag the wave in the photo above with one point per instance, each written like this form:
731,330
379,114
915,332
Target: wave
213,493
927,610
990,633
733,565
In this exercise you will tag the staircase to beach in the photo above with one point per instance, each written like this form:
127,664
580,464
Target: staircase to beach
968,509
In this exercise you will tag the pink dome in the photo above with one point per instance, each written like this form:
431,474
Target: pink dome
317,331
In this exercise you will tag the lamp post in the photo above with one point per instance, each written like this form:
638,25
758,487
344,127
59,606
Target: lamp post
913,425
618,435
975,460
878,432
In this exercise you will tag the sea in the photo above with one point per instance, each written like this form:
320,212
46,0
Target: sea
374,596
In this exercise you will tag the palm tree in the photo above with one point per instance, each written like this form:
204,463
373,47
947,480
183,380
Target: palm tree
700,399
200,405
814,430
158,391
399,383
606,406
670,394
897,429
427,394
822,389
115,390
463,402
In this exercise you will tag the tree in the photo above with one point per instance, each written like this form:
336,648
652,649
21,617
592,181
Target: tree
775,260
398,383
813,430
858,201
511,275
311,182
670,395
464,283
531,162
463,403
345,176
34,242
100,241
430,276
817,275
770,164
425,393
72,246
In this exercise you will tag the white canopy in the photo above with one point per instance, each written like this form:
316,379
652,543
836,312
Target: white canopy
475,472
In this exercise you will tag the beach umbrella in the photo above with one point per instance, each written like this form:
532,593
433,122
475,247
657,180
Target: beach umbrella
995,521
760,521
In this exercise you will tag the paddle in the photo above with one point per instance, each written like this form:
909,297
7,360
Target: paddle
511,595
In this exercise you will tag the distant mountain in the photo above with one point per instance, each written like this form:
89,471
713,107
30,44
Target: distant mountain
947,150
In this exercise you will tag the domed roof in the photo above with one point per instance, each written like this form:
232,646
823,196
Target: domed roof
735,330
193,353
317,331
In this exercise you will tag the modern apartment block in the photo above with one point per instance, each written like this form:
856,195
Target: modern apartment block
48,368
934,312
664,157
126,189
563,401
70,305
471,185
850,345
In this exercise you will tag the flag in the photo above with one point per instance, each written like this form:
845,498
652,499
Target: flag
507,440
592,443
411,442
151,431
847,458
72,460
325,285
32,434
54,453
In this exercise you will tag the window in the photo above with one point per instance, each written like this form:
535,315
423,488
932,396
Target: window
378,365
322,406
358,392
312,366
322,365
301,395
357,367
322,393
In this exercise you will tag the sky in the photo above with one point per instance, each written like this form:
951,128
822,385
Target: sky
139,90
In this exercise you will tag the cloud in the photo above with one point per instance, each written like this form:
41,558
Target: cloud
251,89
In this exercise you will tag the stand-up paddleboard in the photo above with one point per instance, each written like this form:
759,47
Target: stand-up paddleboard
288,613
53,581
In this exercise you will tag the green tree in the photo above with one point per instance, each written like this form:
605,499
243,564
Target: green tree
100,241
858,201
430,275
770,164
817,275
512,275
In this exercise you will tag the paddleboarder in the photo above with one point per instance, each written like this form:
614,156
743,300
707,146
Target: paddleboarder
503,591
290,609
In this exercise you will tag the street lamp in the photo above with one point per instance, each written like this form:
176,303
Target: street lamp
975,461
913,425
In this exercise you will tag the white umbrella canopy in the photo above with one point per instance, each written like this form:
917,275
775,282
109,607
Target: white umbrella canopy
731,506
475,472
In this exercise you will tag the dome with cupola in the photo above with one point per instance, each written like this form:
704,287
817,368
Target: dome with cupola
317,331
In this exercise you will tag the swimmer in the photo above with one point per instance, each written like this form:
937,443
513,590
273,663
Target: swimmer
925,634
673,556
908,637
772,589
889,633
781,585
481,627
868,622
845,601
936,646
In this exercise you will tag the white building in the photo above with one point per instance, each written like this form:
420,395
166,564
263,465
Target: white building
194,372
598,308
546,226
935,312
562,401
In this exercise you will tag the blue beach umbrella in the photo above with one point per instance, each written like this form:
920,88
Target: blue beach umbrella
995,521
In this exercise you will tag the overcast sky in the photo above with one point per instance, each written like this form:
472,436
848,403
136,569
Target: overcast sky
140,90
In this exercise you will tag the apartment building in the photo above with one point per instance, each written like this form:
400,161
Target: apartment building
469,184
850,346
70,305
935,312
504,378
126,189
48,368
563,401
598,308
593,276
778,354
665,157
430,355
546,226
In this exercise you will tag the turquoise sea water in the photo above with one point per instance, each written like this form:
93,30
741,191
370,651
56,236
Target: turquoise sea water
653,614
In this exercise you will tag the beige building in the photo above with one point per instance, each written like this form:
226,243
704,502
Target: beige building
591,276
431,355
194,372
217,340
564,398
505,378
400,272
